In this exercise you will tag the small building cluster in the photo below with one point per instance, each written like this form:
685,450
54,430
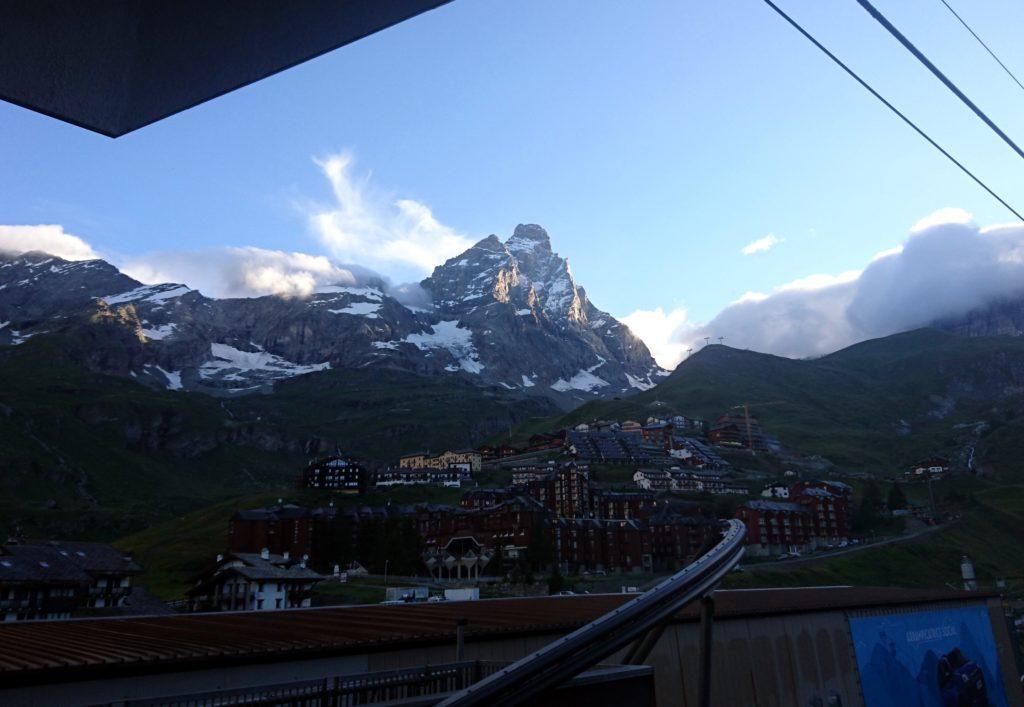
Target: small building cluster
659,442
335,473
686,480
57,580
468,460
928,468
817,513
345,475
553,519
743,431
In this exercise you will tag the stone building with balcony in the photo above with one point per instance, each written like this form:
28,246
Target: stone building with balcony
254,582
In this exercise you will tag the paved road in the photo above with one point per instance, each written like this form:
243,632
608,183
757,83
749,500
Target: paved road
822,556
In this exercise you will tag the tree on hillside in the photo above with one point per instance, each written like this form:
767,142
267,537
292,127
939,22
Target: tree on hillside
869,513
897,499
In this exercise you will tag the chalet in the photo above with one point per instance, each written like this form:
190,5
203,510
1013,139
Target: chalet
335,473
930,467
681,423
469,460
775,490
546,440
254,582
653,479
734,430
658,432
61,579
450,477
703,481
525,473
491,453
631,427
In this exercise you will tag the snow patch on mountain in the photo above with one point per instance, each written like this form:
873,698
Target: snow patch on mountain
370,293
639,384
448,335
147,293
360,309
585,380
233,364
160,332
173,378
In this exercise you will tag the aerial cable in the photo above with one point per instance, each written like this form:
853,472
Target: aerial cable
890,106
982,43
938,74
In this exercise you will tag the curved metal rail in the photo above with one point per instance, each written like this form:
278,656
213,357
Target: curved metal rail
572,654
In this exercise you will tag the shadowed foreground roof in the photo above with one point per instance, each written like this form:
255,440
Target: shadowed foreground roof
48,651
114,66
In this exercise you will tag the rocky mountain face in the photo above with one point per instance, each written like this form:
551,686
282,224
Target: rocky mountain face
999,318
502,314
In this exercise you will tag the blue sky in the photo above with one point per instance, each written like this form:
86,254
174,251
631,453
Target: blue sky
654,140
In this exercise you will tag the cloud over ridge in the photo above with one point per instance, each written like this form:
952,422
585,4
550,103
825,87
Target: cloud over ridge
947,267
47,238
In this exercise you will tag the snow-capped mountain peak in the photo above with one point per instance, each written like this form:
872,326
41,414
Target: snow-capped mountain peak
506,314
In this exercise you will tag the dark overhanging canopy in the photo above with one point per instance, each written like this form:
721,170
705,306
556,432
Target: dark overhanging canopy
113,66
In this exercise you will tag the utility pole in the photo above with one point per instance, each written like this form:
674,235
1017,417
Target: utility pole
721,340
707,340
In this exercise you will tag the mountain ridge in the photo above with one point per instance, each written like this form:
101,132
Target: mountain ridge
502,313
873,406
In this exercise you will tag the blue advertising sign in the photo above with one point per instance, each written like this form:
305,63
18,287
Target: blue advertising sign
941,658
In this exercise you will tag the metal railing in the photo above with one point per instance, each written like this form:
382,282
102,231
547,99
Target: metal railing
430,682
632,622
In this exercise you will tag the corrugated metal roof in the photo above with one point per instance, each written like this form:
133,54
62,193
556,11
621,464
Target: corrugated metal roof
42,651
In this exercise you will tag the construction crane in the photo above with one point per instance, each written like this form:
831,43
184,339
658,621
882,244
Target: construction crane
746,419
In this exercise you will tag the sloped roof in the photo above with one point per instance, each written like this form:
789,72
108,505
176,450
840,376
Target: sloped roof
61,561
113,67
45,651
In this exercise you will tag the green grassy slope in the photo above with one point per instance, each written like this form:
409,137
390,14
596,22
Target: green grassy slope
875,406
91,456
989,532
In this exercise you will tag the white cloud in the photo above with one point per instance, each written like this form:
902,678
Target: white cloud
399,237
761,244
662,332
245,272
48,238
942,217
818,282
945,268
